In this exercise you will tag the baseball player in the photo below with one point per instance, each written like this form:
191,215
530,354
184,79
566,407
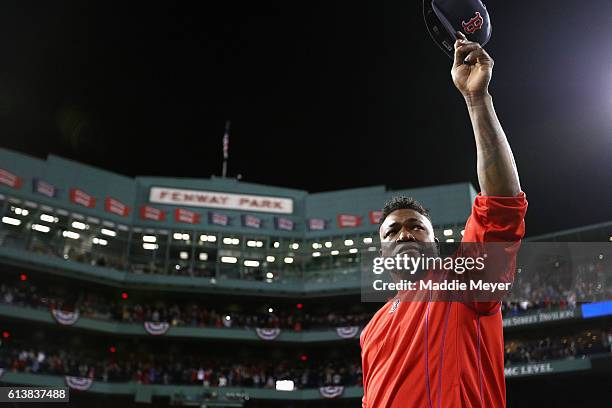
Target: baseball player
449,354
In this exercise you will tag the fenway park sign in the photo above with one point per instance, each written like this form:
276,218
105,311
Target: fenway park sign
214,199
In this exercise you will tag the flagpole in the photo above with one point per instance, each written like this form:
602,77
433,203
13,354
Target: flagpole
225,148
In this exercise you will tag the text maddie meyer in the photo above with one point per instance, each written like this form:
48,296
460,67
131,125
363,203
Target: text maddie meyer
451,286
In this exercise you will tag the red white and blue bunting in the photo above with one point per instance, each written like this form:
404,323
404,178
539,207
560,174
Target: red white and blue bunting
65,318
267,334
156,328
347,332
79,383
331,391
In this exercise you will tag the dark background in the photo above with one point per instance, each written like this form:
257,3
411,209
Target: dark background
321,95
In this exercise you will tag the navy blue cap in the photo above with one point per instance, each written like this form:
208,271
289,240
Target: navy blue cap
444,18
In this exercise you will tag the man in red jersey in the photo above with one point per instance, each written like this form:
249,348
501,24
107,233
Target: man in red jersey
449,354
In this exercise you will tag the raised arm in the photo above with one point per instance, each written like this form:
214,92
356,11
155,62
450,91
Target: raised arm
472,71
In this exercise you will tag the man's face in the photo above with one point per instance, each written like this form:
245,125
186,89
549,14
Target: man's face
405,231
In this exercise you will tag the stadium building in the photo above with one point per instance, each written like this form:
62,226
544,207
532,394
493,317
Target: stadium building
221,293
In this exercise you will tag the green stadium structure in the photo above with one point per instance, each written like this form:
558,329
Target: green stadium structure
81,227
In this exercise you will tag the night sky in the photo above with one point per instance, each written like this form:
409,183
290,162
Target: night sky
321,96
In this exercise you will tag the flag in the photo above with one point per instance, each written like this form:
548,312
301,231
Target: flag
44,188
187,216
218,219
251,221
375,216
151,213
317,224
226,141
82,198
348,221
116,207
10,179
284,224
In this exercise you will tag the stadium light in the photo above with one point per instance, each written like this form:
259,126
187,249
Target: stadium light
252,264
150,246
79,225
203,256
348,242
295,245
284,385
372,249
149,238
186,237
228,317
252,243
450,240
208,238
99,241
70,234
177,236
335,252
20,211
229,259
463,232
316,254
40,228
328,244
11,221
269,275
108,232
316,245
276,244
448,232
270,310
48,218
288,260
367,240
270,258
353,250
235,241
184,255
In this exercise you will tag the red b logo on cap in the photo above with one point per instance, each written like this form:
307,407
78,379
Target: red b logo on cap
474,24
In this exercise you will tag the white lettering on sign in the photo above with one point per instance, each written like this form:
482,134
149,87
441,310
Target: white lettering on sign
214,199
530,369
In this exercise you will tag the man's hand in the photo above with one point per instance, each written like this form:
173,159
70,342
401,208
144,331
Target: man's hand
472,68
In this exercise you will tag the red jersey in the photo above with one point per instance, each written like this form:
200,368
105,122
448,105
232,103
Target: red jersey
443,354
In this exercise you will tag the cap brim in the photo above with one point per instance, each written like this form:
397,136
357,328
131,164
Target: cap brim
437,30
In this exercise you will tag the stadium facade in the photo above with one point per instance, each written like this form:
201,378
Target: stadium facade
218,240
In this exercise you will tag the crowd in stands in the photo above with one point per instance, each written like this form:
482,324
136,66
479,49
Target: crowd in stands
558,348
188,314
183,370
153,368
97,306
